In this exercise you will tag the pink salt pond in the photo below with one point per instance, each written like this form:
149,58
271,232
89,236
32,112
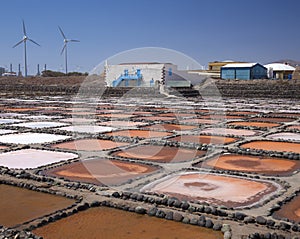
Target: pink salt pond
224,131
245,163
213,189
273,146
122,123
89,145
101,171
296,127
140,133
32,158
285,136
161,154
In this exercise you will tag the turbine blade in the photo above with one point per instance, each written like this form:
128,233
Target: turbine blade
34,42
74,40
18,43
62,33
24,29
62,51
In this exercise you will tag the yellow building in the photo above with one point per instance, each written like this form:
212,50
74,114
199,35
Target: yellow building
215,67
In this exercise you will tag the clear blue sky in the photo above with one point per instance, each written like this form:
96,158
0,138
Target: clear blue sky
256,30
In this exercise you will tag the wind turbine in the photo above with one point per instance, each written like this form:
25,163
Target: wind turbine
66,41
24,40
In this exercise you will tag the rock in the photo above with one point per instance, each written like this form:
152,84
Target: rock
177,204
249,220
185,220
140,210
209,223
95,204
116,195
270,223
261,220
160,214
217,227
177,217
240,216
227,235
152,211
185,205
194,221
284,226
225,228
169,216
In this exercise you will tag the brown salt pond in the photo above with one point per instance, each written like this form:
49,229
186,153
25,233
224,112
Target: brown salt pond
139,133
245,163
177,115
296,127
19,205
290,210
90,144
255,124
162,154
204,139
110,223
273,146
213,189
275,119
101,171
171,127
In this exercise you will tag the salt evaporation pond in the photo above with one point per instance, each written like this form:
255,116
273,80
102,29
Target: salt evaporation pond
273,146
290,210
213,189
31,138
171,127
91,129
40,125
122,123
204,139
224,131
255,124
7,131
256,164
285,136
113,223
10,121
32,158
90,144
140,133
19,205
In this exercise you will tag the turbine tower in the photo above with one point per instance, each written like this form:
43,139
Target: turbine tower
24,40
66,41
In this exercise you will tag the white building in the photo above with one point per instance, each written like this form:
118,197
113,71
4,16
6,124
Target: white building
146,74
280,71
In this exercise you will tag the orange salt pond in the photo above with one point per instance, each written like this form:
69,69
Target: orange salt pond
290,210
204,139
139,133
162,154
110,223
225,131
275,119
89,144
213,189
255,124
273,146
244,163
101,171
171,127
19,205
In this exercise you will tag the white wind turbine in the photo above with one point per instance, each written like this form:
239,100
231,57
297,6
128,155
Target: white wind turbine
24,40
66,41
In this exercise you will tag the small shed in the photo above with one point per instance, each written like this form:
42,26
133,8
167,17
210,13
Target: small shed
280,71
244,71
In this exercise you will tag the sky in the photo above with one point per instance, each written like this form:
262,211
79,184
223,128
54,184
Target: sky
254,31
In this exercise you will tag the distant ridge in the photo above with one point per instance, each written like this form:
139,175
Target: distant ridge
288,61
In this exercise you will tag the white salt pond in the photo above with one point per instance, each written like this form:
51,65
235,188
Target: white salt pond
285,136
40,125
32,158
91,129
10,121
31,138
7,131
